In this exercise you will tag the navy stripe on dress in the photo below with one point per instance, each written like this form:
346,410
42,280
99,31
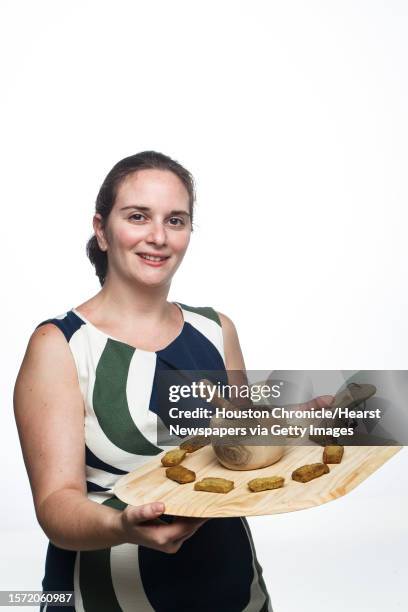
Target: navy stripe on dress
187,580
93,461
59,573
69,324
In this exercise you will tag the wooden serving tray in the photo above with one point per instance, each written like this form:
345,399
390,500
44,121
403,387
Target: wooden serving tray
149,483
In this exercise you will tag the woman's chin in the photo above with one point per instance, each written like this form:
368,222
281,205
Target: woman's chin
156,280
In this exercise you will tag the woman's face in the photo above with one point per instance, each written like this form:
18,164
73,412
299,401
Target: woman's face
148,230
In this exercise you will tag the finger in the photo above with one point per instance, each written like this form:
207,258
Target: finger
323,401
178,531
194,526
179,543
184,528
187,536
153,523
146,512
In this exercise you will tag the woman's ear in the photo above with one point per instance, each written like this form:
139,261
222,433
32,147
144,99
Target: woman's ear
98,227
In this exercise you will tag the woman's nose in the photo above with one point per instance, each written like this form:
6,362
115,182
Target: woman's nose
157,234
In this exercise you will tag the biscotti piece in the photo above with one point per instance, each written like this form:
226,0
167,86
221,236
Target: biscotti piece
194,443
214,485
310,471
266,483
173,457
180,474
333,454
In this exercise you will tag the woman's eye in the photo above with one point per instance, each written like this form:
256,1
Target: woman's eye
176,221
137,217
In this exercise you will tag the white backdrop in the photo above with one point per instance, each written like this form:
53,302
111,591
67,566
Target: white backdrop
292,117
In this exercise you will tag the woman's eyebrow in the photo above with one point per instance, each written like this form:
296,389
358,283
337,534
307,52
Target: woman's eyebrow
148,209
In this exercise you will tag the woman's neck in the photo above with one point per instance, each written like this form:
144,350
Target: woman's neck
118,300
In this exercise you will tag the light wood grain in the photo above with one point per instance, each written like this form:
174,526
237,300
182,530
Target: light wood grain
149,483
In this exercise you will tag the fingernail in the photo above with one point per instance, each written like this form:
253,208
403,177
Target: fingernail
158,507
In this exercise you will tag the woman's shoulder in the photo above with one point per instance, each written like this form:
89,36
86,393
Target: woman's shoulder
49,343
210,313
68,323
202,311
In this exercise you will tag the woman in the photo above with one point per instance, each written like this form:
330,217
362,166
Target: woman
85,411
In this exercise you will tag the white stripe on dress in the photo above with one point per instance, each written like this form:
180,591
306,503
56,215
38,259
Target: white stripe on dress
139,387
138,391
101,478
126,580
79,604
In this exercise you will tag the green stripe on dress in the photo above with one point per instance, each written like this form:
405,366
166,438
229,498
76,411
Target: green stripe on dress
205,311
110,400
115,502
95,577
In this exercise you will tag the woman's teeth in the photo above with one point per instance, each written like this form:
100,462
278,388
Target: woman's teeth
152,258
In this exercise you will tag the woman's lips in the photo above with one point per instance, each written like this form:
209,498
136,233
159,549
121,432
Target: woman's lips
156,263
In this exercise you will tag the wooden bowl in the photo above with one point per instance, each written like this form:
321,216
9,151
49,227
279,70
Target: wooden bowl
240,457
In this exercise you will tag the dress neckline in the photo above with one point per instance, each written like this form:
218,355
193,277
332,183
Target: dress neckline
106,335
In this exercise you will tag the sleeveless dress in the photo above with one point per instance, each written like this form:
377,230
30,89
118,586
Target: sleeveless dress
216,569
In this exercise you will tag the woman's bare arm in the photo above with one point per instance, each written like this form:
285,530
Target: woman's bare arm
49,412
234,360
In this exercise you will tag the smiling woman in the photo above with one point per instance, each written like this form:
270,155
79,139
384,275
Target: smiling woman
87,412
155,207
156,236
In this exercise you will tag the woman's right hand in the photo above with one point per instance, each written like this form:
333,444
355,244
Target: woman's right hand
142,525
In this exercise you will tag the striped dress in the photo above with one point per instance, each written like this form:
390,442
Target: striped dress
216,569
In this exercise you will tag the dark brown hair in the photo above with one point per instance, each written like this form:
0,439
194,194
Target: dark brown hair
107,194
